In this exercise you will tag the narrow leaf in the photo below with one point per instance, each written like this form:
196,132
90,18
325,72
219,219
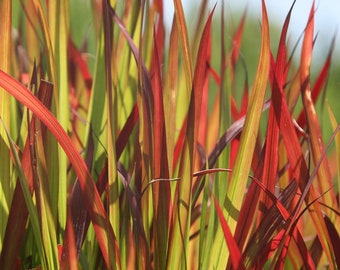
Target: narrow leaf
233,248
240,174
105,235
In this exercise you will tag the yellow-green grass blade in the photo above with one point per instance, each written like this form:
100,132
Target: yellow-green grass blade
47,42
221,181
334,123
244,156
6,191
111,114
241,170
184,41
178,245
43,201
97,105
170,96
29,202
59,32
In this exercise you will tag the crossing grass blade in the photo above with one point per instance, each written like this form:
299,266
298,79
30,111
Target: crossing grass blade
105,234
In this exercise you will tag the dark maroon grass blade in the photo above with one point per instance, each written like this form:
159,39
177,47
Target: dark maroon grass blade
316,250
134,203
76,61
282,246
18,213
335,239
69,253
77,206
126,131
274,219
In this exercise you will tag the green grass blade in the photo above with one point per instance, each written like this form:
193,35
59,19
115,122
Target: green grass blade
43,200
178,246
6,191
243,160
59,31
239,176
29,202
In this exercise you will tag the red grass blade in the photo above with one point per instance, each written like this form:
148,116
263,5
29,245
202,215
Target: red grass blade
232,245
181,216
78,216
161,190
272,141
105,235
324,177
18,214
319,84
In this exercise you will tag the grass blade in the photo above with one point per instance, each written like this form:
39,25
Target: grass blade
233,248
317,146
6,188
178,248
240,174
105,235
59,31
184,41
29,202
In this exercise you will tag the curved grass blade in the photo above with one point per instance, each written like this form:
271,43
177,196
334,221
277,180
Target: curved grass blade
104,232
18,214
